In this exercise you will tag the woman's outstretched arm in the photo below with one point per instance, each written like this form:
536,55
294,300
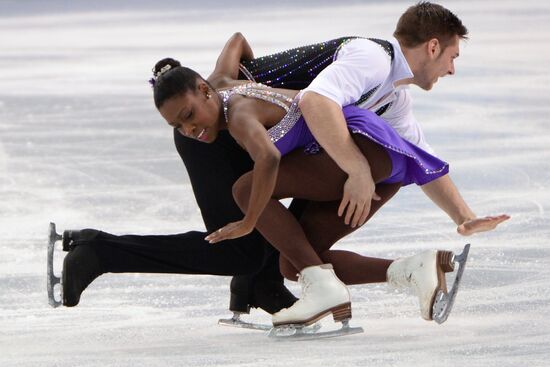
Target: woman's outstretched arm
227,65
251,134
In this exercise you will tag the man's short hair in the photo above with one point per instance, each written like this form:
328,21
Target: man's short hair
425,21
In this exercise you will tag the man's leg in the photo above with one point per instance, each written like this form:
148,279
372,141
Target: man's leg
92,253
212,169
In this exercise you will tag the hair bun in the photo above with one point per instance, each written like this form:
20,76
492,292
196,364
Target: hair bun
164,65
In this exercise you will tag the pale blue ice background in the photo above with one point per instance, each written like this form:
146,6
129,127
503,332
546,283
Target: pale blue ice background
81,144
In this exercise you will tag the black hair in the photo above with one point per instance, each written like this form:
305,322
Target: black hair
171,79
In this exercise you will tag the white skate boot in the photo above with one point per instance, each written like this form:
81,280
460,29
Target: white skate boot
425,275
322,294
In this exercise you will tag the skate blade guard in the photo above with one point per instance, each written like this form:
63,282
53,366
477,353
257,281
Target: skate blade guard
51,279
444,301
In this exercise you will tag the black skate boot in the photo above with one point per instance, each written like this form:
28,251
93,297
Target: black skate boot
271,295
241,289
249,291
81,266
265,290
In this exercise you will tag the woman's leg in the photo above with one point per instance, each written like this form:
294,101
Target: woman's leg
312,177
213,169
323,227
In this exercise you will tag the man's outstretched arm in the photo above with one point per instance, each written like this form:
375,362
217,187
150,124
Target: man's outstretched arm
445,194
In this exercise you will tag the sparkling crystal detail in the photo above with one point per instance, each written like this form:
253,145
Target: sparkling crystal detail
279,130
255,90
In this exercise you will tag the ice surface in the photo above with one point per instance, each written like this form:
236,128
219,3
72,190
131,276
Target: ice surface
81,144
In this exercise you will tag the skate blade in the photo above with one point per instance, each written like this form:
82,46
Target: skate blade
236,321
444,302
52,280
299,332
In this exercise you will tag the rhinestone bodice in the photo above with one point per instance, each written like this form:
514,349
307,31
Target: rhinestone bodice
265,93
411,164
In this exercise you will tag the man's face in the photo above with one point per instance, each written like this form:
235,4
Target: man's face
438,63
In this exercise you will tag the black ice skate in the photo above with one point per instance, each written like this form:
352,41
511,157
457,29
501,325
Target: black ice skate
269,295
80,266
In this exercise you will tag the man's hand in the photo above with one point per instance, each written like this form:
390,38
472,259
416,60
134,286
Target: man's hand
358,193
481,224
230,231
327,123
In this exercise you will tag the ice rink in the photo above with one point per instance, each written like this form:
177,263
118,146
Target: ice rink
82,144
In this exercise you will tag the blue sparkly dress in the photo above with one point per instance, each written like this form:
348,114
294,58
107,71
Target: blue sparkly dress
410,164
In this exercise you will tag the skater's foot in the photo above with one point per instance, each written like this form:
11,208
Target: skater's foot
269,295
322,294
240,288
80,267
424,274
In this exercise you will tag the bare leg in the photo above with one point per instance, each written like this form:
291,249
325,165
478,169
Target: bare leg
323,228
312,177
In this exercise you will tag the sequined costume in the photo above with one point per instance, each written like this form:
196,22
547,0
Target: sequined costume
410,164
369,68
297,67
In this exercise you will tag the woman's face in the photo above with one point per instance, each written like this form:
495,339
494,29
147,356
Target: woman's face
195,114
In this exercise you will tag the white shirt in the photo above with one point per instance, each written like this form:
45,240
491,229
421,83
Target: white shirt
362,65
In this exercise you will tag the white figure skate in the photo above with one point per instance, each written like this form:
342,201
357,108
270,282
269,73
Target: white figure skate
322,294
425,275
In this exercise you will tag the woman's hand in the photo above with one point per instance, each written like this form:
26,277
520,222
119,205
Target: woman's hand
358,193
230,231
481,224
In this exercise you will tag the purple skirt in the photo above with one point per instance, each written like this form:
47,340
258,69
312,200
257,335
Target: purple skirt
410,164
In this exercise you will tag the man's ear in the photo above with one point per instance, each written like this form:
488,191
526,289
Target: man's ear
433,48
